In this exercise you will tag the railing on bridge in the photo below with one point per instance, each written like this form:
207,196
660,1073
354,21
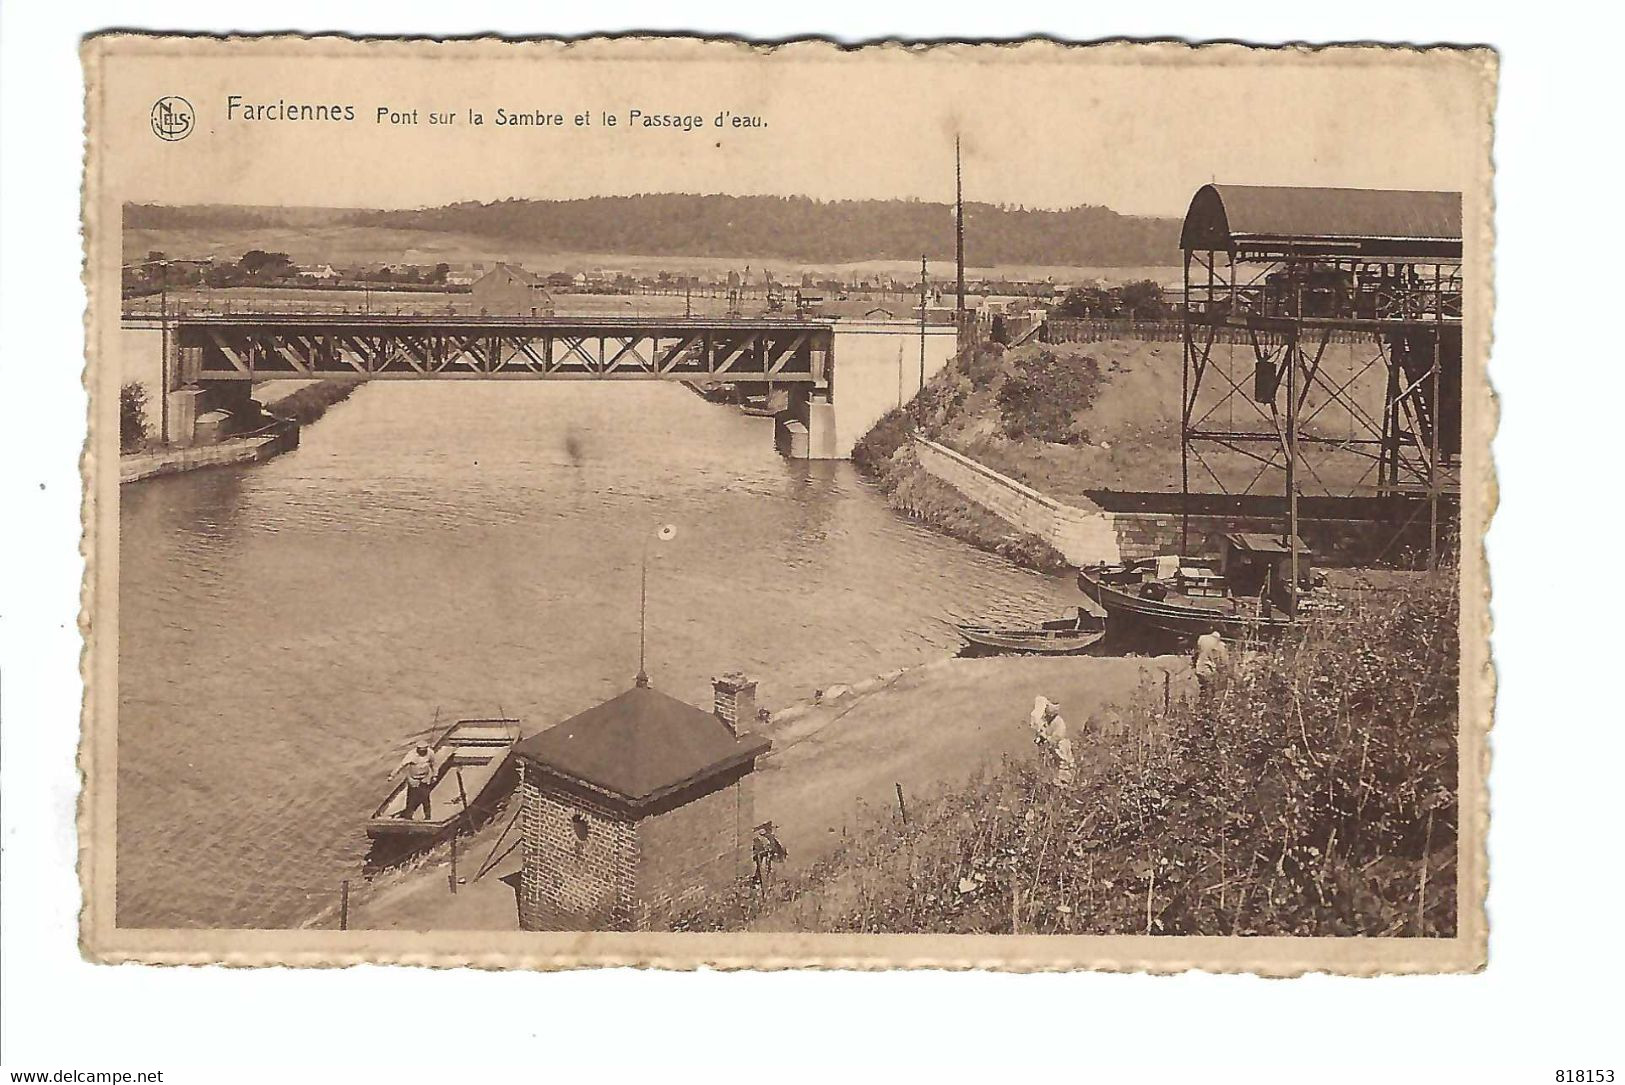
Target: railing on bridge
216,345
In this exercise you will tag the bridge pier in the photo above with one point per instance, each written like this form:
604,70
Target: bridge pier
192,407
874,366
805,430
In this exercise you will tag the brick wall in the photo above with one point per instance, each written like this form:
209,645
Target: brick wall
693,851
574,879
613,873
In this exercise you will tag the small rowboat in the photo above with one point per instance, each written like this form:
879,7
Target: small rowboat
1062,637
473,773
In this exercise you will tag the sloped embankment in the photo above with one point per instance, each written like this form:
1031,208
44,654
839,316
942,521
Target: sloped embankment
1188,818
1036,414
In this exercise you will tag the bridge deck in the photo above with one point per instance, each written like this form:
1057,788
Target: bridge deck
272,346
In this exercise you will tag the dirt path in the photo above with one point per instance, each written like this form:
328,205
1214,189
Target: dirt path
832,766
928,730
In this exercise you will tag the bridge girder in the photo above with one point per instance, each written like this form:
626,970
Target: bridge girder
733,352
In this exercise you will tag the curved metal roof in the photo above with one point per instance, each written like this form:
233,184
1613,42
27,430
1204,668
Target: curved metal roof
1374,222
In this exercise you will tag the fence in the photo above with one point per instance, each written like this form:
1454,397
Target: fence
1163,331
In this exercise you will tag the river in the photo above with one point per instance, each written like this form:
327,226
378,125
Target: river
474,547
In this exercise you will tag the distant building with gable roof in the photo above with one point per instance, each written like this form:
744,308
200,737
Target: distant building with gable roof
507,290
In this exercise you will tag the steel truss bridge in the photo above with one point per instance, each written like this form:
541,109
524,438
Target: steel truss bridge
208,348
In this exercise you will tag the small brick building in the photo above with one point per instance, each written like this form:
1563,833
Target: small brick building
635,807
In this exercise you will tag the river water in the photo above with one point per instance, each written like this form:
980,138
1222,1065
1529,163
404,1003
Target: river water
475,547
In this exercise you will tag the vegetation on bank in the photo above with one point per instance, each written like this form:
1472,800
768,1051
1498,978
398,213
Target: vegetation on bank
1035,395
134,431
305,405
1027,394
913,491
1313,795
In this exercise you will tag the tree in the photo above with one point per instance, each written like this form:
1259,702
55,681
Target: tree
1143,300
1088,302
133,430
439,274
267,265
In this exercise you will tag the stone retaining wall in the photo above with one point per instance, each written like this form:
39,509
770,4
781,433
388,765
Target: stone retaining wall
170,461
1083,534
1086,533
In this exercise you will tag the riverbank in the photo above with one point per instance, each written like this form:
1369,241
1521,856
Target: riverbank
916,802
834,772
305,402
1074,424
290,404
137,466
1187,818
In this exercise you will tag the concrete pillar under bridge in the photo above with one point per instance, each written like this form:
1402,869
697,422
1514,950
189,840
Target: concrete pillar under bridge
198,411
875,366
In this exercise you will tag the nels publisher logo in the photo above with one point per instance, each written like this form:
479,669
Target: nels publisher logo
172,118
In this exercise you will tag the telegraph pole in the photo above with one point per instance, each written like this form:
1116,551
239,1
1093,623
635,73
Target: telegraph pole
959,227
922,322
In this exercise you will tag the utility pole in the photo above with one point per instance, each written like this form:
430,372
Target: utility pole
163,365
922,321
959,227
1292,450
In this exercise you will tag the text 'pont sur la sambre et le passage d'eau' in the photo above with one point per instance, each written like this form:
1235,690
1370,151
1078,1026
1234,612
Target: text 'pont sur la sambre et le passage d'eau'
239,108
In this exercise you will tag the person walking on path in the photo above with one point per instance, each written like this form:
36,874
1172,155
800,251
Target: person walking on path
1212,661
1050,734
420,768
765,850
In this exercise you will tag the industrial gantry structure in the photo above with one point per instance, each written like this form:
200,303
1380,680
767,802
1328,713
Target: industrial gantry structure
1346,308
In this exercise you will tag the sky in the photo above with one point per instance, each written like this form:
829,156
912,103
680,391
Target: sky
1134,128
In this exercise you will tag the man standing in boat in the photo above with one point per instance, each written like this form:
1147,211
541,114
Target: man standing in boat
420,769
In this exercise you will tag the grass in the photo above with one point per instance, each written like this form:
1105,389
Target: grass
884,454
1313,795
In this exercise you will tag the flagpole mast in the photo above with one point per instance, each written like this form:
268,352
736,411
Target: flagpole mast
643,607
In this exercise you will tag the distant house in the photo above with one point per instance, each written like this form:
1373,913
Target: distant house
323,272
462,278
509,290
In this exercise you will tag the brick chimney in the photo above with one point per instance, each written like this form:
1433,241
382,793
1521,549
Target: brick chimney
735,700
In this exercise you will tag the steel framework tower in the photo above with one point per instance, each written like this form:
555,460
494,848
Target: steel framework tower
1345,306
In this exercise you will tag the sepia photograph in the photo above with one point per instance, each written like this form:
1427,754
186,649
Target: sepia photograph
1016,505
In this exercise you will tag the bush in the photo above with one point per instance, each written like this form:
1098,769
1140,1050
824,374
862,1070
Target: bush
931,410
982,364
1041,399
1143,300
134,433
884,438
1313,796
1139,300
